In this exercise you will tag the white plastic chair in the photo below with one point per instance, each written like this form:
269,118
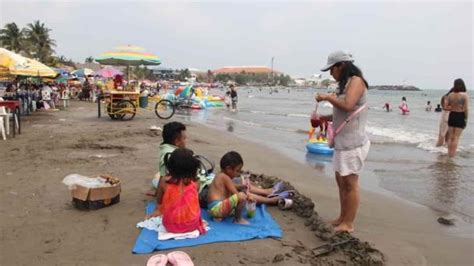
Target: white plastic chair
6,118
2,129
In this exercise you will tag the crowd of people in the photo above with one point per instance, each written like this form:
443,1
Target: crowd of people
34,96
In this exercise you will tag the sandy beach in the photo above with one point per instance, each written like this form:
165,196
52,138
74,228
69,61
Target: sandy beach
40,226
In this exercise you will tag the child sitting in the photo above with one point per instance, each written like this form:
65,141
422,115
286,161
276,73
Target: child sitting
174,136
224,199
177,194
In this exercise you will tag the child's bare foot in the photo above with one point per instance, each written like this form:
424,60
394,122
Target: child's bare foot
336,222
343,227
151,193
241,221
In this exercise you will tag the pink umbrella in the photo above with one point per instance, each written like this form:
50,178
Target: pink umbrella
108,72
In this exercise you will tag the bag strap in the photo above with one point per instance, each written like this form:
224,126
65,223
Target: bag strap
348,119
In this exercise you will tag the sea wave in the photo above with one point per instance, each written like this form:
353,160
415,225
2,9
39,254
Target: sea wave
261,125
279,114
423,141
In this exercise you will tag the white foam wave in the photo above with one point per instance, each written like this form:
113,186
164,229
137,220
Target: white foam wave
400,135
298,115
423,141
279,114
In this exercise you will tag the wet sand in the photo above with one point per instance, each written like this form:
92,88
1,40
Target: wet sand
40,226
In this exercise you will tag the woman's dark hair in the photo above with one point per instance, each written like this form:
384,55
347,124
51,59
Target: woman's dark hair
182,166
459,86
231,159
404,99
446,95
172,131
349,70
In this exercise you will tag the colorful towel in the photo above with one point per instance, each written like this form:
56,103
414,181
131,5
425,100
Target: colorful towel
261,226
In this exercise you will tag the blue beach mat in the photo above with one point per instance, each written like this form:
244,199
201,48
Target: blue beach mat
261,226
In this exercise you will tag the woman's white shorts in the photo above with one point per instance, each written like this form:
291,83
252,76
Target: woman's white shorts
348,162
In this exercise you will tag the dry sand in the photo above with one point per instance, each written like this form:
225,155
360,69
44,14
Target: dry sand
40,226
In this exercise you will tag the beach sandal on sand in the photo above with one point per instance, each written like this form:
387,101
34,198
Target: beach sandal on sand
278,187
179,258
157,260
285,204
285,194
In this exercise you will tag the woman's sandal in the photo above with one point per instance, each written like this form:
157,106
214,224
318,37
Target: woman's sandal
179,258
285,194
157,260
278,187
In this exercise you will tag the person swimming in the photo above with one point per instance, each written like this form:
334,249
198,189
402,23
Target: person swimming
404,106
428,106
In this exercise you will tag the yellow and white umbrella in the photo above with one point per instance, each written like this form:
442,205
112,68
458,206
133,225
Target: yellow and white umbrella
22,66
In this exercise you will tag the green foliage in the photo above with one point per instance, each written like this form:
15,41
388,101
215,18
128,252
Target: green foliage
141,73
184,74
244,78
89,59
34,40
12,38
326,83
40,43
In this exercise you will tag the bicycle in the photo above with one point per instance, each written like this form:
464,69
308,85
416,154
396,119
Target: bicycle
165,108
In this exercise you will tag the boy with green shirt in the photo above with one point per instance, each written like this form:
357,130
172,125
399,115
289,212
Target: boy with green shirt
174,136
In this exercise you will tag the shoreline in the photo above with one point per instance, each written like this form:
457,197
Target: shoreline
366,184
38,214
413,223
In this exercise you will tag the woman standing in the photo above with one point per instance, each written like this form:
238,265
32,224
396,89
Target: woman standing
458,105
443,124
404,106
351,144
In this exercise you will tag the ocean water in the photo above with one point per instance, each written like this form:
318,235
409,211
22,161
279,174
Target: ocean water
403,160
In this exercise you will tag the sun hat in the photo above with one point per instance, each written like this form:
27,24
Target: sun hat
336,57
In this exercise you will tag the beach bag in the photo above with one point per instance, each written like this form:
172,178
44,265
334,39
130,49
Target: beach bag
315,118
331,132
205,176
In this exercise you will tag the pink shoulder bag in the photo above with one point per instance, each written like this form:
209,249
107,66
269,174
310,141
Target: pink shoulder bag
331,133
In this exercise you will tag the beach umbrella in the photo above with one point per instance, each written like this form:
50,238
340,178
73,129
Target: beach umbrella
82,72
128,56
108,72
21,66
61,71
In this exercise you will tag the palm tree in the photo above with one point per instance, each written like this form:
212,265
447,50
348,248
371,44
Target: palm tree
89,59
11,37
41,43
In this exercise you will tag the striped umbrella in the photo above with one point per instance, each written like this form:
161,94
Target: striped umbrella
128,56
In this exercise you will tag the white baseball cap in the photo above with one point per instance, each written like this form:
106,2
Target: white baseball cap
337,57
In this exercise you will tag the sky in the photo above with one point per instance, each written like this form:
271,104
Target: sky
425,44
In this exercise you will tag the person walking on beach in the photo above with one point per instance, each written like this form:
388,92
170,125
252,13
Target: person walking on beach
443,124
458,106
351,144
233,96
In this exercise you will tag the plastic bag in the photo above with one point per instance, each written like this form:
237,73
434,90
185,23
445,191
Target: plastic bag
89,182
